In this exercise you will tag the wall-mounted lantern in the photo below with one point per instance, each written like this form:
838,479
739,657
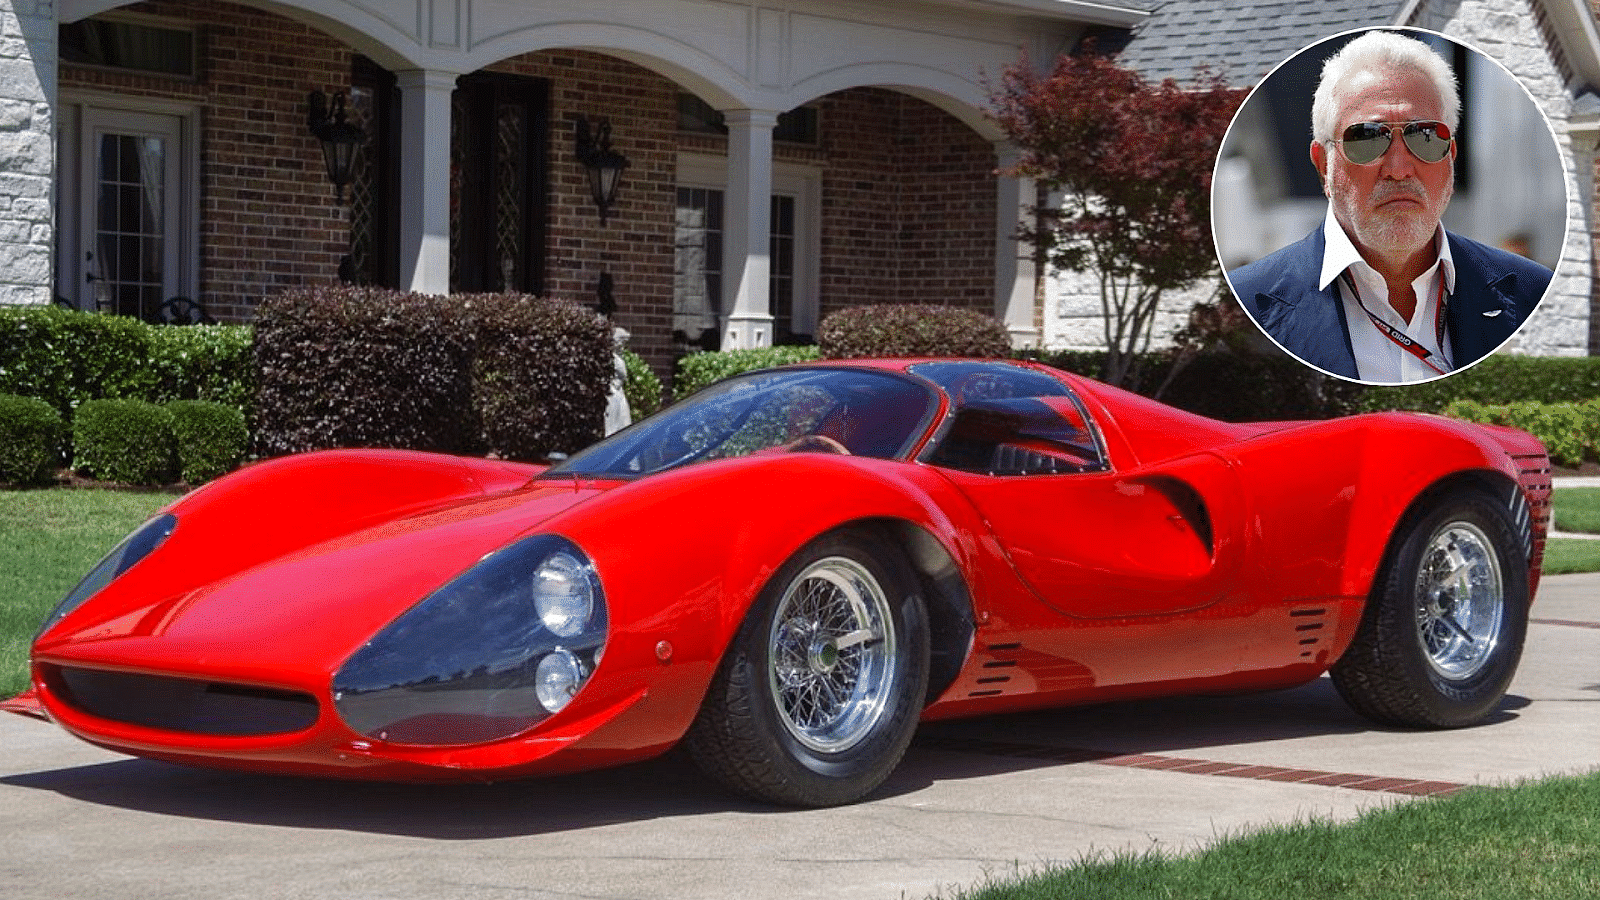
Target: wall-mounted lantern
603,165
339,138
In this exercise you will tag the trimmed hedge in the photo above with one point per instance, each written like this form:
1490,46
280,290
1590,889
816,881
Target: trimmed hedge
32,434
65,358
509,374
642,387
911,330
1499,379
541,373
211,363
1233,387
360,367
128,441
698,370
210,439
1570,431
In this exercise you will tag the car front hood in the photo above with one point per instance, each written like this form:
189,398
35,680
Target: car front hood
292,621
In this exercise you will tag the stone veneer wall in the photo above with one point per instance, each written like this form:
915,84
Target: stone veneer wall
1509,32
27,150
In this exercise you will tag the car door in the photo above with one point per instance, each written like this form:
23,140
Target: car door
1091,542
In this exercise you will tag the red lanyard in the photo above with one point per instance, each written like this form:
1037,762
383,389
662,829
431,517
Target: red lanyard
1401,338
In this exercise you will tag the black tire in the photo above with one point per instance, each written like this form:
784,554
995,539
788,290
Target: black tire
840,617
1443,629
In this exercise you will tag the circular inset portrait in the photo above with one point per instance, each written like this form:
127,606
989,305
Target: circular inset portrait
1389,205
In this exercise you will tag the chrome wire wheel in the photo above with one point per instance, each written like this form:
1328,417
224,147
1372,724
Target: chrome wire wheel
1461,600
832,654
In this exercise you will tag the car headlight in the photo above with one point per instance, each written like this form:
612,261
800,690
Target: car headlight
136,546
502,647
563,593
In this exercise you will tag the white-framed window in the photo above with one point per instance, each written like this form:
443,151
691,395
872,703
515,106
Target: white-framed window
795,241
128,212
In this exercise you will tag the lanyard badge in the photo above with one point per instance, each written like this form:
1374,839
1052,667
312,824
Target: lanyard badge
1400,338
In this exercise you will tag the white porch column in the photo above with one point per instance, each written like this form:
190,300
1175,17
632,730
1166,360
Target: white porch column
747,230
425,180
1016,276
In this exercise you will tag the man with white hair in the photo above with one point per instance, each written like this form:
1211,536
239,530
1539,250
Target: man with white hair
1381,292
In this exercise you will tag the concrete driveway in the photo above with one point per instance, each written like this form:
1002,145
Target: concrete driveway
972,799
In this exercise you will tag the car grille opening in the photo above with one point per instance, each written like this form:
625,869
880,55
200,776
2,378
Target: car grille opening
184,705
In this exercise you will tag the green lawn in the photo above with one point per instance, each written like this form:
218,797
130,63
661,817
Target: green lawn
1536,841
48,540
1563,556
1578,509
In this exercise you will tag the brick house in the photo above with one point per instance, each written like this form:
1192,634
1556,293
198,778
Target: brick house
161,149
851,137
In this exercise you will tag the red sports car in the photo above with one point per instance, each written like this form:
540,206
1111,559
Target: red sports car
789,570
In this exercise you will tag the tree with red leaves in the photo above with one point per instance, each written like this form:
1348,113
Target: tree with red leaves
1131,163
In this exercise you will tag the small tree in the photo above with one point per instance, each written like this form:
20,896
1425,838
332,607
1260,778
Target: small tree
1131,163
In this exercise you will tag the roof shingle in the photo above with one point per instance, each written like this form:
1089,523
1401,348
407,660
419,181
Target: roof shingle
1241,40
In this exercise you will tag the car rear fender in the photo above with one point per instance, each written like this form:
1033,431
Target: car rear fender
1329,496
1504,463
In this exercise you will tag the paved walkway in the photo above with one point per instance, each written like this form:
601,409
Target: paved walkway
972,799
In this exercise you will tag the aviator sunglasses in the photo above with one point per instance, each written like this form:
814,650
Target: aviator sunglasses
1364,143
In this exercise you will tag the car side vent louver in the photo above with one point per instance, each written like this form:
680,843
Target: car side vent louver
1310,625
184,705
996,672
1532,513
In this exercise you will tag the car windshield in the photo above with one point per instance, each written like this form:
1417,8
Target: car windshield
840,410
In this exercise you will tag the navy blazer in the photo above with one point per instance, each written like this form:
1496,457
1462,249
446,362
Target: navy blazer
1495,293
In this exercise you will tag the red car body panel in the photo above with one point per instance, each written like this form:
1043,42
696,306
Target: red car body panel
1206,556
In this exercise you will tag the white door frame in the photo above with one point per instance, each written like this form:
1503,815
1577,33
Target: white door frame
804,184
85,117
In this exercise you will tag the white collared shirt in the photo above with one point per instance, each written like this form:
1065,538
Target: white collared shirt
1378,358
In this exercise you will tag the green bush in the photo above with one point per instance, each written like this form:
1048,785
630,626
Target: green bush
697,370
31,437
65,357
540,374
1570,431
642,386
1499,379
366,367
128,441
210,438
201,362
911,330
1234,387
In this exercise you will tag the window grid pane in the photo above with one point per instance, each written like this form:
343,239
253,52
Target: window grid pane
129,236
697,268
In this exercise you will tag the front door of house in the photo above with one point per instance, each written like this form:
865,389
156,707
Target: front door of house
129,212
499,181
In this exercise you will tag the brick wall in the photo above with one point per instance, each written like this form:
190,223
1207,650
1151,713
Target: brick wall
908,204
947,209
635,243
907,199
27,29
268,218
